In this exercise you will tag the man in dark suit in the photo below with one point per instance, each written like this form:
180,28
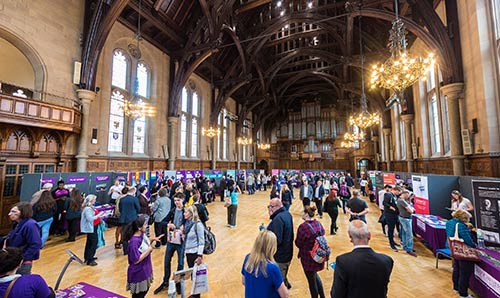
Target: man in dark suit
362,272
319,193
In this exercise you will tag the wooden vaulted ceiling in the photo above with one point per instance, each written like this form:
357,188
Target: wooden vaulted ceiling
271,54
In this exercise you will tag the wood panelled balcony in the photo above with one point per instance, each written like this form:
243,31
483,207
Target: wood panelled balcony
29,112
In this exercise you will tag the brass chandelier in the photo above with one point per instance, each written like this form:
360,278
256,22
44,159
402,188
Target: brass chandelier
347,144
244,141
364,119
401,70
264,146
210,132
354,137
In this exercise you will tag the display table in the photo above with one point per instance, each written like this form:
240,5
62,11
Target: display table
431,228
85,290
486,278
108,209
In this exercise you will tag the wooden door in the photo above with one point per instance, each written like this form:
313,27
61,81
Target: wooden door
10,188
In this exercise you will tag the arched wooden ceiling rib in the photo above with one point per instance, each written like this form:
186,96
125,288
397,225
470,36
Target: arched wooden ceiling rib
332,80
237,43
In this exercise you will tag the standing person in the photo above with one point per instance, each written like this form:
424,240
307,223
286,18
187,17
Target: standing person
344,194
25,234
282,226
349,181
381,194
460,202
59,194
319,193
362,272
194,242
115,191
405,211
73,207
306,237
144,203
140,268
357,207
161,208
305,193
91,218
286,197
231,210
222,188
175,225
331,206
261,275
462,270
26,286
202,211
363,183
129,209
391,214
43,213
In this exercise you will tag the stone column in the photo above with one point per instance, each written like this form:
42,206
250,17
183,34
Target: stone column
214,148
408,120
375,140
172,144
86,97
387,147
453,92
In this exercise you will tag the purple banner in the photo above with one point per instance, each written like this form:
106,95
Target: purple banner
189,174
198,172
216,172
79,179
180,175
101,178
121,178
48,180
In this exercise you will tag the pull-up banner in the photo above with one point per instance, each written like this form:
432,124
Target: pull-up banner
486,195
421,191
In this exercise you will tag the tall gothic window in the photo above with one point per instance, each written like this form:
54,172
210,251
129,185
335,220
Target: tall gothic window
128,78
439,130
222,143
189,128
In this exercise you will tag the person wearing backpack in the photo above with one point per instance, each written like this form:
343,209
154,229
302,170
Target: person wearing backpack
194,242
307,233
344,194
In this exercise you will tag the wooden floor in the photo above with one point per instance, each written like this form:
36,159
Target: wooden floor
411,277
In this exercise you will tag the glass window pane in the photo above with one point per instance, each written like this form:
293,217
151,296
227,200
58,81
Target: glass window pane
116,122
434,117
23,169
142,80
10,169
446,126
8,189
224,143
183,136
49,168
403,139
196,107
194,137
184,100
39,169
119,73
139,135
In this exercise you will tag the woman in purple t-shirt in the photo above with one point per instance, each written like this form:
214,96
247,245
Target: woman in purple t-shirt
140,269
26,286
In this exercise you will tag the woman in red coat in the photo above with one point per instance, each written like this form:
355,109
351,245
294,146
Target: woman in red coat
306,236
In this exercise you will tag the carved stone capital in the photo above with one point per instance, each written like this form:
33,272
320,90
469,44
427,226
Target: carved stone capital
453,91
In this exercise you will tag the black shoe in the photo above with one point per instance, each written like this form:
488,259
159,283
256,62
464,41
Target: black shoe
178,288
162,287
93,263
397,245
394,248
288,285
70,240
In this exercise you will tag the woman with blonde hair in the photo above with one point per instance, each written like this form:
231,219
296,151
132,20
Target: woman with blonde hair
194,243
462,270
261,275
460,202
91,218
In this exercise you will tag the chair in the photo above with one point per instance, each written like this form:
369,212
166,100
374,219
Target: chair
445,252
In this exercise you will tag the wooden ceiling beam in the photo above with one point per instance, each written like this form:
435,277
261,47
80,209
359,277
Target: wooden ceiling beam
251,5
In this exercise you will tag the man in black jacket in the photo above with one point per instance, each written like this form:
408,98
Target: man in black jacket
222,188
362,272
391,213
282,226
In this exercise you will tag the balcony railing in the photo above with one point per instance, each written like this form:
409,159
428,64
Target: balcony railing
29,112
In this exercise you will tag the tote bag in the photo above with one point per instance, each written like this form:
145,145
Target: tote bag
461,251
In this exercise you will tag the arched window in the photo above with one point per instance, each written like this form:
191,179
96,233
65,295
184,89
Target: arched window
190,114
48,143
222,143
129,78
439,129
19,141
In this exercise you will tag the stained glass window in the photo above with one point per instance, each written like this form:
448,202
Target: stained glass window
120,66
116,122
190,110
139,135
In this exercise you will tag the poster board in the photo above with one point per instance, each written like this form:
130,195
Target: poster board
389,178
486,201
421,191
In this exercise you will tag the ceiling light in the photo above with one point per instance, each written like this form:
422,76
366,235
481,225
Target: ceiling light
309,5
278,4
282,13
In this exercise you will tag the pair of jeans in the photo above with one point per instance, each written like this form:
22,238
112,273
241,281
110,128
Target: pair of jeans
319,205
73,228
45,228
306,201
169,253
462,271
392,220
315,284
344,203
231,214
284,272
287,206
406,233
333,215
90,246
190,258
160,229
25,269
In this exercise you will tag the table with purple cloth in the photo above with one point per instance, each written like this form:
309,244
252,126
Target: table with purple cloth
486,278
431,228
85,290
108,209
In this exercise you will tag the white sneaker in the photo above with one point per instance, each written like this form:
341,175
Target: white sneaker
468,296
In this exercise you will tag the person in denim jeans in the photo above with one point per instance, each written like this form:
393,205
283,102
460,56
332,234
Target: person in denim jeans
175,221
405,211
43,212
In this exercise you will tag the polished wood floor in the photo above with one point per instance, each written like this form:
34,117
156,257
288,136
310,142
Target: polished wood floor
411,277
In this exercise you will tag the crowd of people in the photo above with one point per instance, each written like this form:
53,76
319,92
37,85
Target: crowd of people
177,211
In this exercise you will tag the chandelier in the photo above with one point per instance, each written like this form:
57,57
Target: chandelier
135,107
244,141
354,137
264,146
364,119
401,70
210,132
347,144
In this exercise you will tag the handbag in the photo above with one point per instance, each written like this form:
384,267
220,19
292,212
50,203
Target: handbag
227,202
200,279
461,251
175,236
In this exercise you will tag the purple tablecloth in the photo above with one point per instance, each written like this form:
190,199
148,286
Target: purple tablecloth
85,290
108,209
486,278
431,229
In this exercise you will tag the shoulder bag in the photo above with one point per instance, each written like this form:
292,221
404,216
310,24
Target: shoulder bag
6,294
461,251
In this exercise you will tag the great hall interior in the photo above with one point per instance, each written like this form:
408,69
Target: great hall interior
141,85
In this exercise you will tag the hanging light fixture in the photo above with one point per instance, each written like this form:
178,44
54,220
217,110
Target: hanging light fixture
347,144
364,119
264,146
244,141
354,137
135,107
401,70
210,132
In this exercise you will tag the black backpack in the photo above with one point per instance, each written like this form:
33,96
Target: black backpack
210,242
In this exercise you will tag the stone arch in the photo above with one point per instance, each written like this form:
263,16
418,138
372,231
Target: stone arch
20,140
50,143
33,57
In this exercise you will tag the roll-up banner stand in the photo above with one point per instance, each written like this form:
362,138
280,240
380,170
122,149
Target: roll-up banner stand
486,200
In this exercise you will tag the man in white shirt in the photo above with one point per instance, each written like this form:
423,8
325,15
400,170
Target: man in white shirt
306,192
115,191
